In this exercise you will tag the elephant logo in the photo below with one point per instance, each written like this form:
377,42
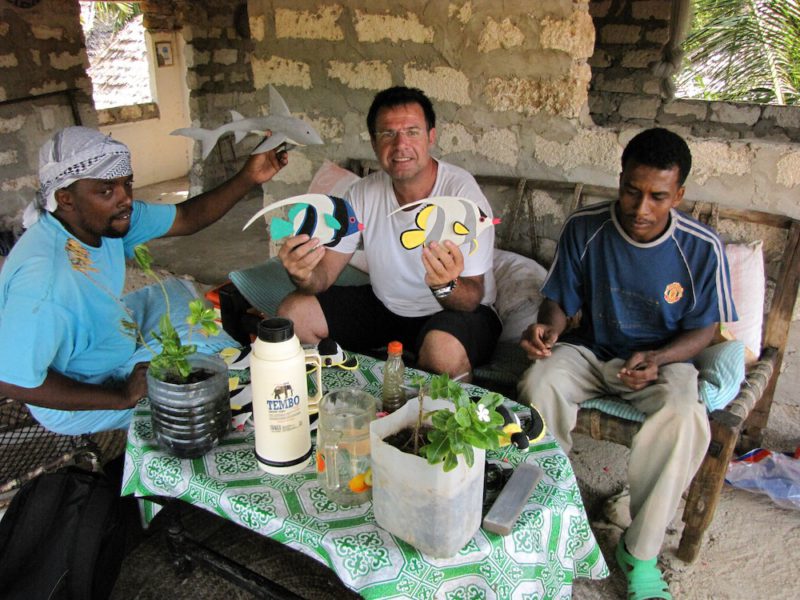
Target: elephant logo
283,390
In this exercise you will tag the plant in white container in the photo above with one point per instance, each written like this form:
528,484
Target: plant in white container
427,466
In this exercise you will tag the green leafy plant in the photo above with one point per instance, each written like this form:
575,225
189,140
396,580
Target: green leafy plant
171,363
470,425
743,51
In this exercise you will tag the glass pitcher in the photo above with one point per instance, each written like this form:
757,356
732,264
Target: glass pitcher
343,464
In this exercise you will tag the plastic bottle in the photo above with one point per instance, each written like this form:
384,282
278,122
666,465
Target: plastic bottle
394,395
280,397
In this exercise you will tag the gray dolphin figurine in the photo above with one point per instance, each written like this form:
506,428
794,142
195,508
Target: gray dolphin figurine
284,127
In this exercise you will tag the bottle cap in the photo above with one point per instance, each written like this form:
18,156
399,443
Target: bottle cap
395,348
276,329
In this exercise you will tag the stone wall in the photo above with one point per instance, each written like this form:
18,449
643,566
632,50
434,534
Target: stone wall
510,82
630,39
43,87
219,77
504,77
745,155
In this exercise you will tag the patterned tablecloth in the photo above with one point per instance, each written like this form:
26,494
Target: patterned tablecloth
550,546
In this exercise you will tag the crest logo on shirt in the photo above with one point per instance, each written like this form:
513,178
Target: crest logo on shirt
673,292
79,257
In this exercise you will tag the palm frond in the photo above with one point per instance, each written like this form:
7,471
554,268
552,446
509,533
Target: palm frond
744,50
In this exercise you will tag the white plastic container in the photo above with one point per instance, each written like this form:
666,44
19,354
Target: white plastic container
280,397
434,511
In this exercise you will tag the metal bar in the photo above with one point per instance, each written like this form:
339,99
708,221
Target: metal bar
185,550
236,573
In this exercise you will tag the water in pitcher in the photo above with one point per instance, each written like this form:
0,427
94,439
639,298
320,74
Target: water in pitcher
343,456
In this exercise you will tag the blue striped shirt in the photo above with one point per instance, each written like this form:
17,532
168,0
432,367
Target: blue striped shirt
637,296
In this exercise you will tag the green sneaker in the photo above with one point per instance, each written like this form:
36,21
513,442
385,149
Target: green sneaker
644,577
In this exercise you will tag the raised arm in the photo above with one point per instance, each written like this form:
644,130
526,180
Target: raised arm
203,210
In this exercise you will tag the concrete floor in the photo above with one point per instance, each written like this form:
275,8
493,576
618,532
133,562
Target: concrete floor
600,467
211,254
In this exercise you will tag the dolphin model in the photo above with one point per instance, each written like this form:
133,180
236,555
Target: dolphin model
285,128
327,218
444,218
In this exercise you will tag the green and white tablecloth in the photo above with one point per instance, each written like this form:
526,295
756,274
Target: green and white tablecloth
550,546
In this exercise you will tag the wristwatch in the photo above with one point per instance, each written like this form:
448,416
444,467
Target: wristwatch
445,290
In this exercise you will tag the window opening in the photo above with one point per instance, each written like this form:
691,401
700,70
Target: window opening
118,53
743,51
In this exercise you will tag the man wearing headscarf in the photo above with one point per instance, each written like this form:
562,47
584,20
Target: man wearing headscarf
61,319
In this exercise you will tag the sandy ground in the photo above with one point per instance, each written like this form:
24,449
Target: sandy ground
751,549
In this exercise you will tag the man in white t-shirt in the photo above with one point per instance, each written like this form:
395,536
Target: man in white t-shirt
435,298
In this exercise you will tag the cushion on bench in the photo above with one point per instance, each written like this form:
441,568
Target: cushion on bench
746,263
265,285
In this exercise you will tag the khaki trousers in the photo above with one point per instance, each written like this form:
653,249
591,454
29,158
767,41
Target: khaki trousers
665,453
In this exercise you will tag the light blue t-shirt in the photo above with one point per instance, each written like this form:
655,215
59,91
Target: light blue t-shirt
637,296
60,309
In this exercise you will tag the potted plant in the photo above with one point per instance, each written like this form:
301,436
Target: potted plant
427,466
188,392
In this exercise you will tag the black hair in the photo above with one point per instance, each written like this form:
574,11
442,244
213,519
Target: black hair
659,148
399,96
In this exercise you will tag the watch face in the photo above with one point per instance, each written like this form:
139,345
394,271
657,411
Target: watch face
24,3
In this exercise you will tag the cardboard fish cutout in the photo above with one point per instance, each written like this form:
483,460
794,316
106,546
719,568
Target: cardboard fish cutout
327,218
285,129
444,218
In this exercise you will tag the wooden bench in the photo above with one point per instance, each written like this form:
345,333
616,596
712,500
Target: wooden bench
739,426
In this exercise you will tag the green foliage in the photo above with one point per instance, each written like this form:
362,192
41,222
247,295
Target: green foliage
471,424
116,14
172,363
743,50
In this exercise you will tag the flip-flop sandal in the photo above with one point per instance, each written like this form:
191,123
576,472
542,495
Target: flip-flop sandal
332,355
645,581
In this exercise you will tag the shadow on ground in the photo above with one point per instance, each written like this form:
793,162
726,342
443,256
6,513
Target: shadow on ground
148,572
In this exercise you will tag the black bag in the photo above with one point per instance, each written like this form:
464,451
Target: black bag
62,538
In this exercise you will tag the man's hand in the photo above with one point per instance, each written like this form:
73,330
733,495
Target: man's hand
201,211
299,255
639,371
260,168
443,263
135,386
538,339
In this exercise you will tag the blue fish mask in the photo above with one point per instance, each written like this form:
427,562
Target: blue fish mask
327,218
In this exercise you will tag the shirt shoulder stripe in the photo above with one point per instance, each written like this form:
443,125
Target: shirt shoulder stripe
723,284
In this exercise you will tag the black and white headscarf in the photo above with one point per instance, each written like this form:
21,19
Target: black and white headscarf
71,154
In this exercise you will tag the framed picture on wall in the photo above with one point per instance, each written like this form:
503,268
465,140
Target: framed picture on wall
164,54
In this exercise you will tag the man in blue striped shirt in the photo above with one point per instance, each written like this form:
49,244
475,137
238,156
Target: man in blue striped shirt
650,286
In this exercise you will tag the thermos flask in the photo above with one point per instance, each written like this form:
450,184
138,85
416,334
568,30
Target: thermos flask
280,397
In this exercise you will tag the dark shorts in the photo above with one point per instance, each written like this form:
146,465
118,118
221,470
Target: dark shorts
359,322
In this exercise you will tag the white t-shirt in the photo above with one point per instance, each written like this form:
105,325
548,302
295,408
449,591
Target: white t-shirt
397,275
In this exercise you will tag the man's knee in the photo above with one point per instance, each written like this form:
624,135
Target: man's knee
543,374
442,352
306,313
291,305
676,395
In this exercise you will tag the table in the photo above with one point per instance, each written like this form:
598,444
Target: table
550,546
